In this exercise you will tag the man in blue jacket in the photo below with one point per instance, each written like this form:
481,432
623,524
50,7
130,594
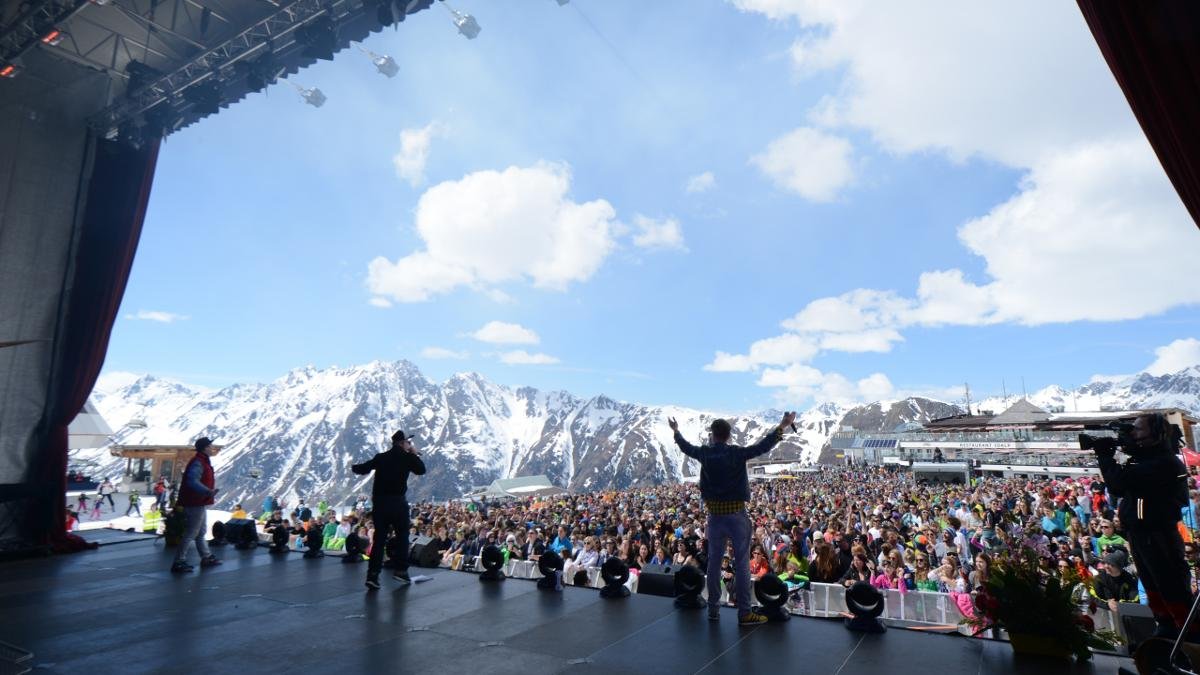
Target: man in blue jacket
725,489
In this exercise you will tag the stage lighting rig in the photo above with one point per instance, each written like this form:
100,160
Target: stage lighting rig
772,594
551,566
386,65
205,96
689,583
493,562
615,573
466,24
319,38
313,97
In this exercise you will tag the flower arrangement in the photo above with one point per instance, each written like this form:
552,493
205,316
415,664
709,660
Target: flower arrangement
1039,611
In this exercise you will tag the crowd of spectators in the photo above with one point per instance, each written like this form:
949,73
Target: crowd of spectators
835,526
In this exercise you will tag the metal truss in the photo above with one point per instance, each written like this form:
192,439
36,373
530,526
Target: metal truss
271,33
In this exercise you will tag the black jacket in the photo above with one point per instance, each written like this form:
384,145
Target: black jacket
391,472
1152,489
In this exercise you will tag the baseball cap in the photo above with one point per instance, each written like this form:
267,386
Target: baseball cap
203,442
1116,557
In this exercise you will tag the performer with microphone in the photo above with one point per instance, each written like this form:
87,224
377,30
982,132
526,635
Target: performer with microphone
389,497
725,489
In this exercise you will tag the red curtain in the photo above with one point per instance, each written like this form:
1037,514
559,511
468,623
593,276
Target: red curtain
109,229
1153,49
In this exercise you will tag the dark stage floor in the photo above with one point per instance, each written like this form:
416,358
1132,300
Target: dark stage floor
118,610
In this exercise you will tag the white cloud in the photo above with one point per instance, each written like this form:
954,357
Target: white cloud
1089,234
413,155
160,317
799,382
501,333
701,183
808,162
521,357
380,302
1175,357
493,227
443,353
658,233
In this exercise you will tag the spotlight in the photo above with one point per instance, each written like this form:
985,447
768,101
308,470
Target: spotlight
466,24
550,565
205,97
865,602
9,70
279,540
689,582
218,532
319,38
354,549
493,561
615,573
313,97
386,65
383,11
53,37
140,75
772,594
258,73
312,542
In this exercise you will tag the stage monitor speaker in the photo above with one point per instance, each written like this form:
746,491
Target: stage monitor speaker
241,532
424,552
657,579
1137,623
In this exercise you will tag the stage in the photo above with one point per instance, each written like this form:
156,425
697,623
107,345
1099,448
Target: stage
117,609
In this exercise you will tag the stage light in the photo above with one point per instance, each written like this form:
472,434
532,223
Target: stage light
279,539
493,562
258,73
53,37
865,602
354,549
466,24
319,38
205,97
218,533
689,582
243,534
383,11
550,565
312,542
615,573
313,97
9,70
772,594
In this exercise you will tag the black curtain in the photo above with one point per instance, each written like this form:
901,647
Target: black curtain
1153,49
109,227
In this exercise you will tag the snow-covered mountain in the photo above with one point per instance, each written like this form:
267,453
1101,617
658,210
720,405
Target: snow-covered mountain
303,431
1141,391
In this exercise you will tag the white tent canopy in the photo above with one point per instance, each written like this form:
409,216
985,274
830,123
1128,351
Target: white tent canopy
88,429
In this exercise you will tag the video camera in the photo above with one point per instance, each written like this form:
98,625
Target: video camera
1109,444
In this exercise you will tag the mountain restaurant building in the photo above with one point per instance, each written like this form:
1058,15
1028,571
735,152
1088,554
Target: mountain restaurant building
1022,441
151,462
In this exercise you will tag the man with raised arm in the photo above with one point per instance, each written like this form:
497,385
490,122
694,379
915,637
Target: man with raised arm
389,497
725,489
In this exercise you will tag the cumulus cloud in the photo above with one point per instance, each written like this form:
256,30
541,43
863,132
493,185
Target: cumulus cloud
493,227
701,183
499,332
1175,357
521,357
1085,236
665,234
802,382
157,316
443,353
413,155
809,162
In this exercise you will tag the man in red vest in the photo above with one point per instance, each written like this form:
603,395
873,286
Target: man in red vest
196,492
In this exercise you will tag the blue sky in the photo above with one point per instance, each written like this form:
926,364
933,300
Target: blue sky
722,204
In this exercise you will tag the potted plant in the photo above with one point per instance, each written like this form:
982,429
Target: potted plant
1037,610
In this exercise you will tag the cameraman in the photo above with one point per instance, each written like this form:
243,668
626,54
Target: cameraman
1151,490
